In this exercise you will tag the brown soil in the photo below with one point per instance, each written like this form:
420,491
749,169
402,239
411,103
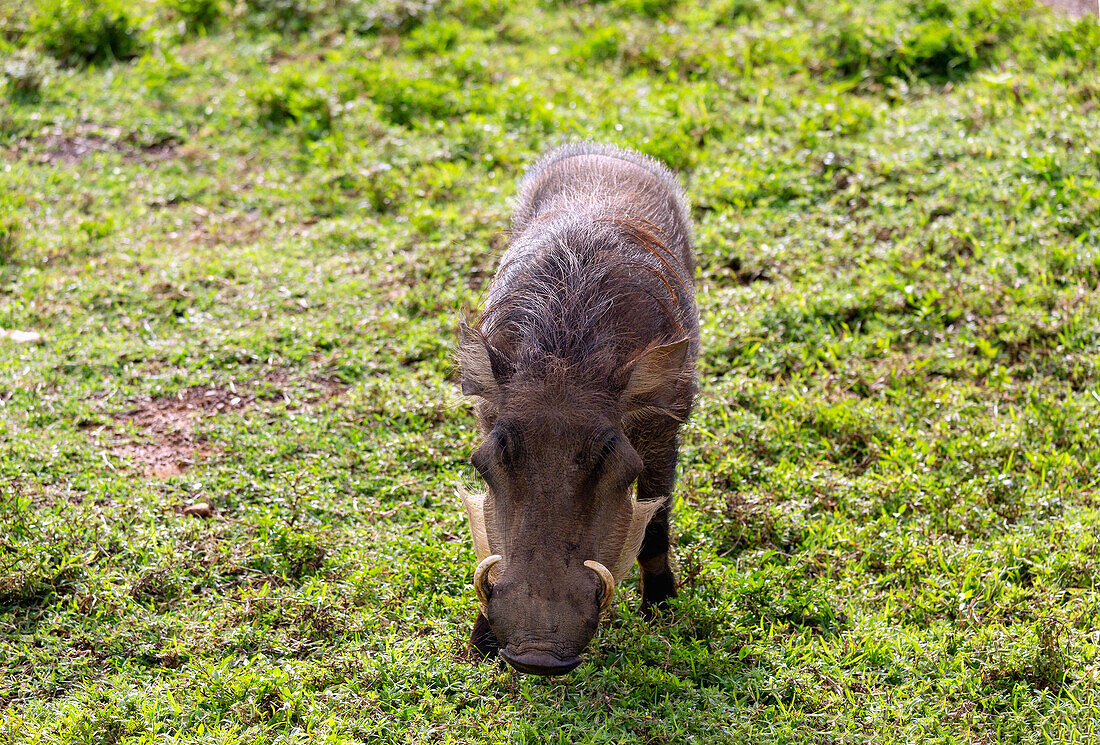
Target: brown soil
166,444
170,455
69,148
169,446
319,388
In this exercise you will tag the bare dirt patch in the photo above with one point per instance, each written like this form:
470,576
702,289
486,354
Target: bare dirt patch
316,389
163,441
228,229
168,444
169,455
69,148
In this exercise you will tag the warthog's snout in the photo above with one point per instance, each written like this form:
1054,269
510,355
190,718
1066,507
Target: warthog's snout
541,625
537,663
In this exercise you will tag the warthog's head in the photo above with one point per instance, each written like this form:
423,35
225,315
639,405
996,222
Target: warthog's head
557,526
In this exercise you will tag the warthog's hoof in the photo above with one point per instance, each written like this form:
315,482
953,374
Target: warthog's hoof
656,590
482,640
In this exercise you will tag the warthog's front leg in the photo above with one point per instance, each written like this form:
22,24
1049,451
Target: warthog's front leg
656,483
658,582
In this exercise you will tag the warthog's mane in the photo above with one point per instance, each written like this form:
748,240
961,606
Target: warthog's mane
585,290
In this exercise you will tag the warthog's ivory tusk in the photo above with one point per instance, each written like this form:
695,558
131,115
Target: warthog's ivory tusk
481,582
608,583
475,512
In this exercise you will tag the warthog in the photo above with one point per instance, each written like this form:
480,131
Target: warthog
583,363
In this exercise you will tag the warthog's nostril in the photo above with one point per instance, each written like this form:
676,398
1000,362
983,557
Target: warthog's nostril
540,664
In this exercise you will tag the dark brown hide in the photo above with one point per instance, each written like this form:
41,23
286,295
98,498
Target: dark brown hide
583,362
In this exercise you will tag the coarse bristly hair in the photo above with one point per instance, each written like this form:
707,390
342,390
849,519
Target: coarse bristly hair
583,366
599,268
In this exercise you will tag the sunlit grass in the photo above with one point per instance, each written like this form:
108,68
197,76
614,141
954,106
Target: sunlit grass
247,249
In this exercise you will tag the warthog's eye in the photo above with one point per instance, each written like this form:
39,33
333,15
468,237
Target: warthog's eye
606,452
503,448
506,450
594,457
608,459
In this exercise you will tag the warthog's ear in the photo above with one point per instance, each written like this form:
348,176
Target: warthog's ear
653,375
482,367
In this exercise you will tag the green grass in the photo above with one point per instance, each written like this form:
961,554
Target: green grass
246,232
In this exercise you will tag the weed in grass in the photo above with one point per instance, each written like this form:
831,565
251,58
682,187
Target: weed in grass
599,45
436,37
9,239
1079,41
934,41
1049,668
649,8
27,73
754,523
478,13
291,97
198,16
294,16
356,16
84,32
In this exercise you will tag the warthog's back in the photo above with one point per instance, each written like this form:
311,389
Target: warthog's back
600,266
606,177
